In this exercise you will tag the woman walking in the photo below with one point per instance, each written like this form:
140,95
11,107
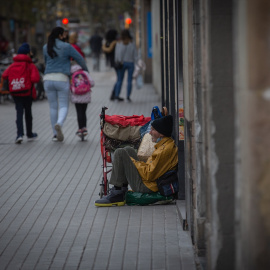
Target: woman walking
57,55
109,50
125,53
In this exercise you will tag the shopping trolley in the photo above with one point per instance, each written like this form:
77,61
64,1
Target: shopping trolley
117,131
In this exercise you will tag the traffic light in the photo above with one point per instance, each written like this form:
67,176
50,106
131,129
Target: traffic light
65,21
128,21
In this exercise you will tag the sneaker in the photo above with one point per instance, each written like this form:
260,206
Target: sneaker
119,99
54,138
124,189
116,197
84,132
59,135
112,96
19,139
33,137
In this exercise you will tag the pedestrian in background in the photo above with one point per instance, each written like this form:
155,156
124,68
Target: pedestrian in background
81,96
22,74
73,40
96,45
80,79
66,35
109,49
57,55
125,57
4,44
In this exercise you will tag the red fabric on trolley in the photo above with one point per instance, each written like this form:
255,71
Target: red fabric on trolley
124,121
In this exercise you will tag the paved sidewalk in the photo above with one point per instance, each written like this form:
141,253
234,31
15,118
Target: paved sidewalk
47,191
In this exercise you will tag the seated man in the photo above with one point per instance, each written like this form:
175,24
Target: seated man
141,176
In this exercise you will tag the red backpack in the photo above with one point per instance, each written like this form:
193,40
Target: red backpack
19,78
80,83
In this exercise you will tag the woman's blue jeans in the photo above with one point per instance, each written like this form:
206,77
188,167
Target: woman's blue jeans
58,97
129,66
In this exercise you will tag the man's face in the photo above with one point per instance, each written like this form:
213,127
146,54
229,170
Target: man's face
155,134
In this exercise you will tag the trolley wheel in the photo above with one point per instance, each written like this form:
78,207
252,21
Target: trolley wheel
101,191
105,180
81,136
106,191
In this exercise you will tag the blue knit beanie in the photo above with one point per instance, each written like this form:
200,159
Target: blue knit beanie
24,49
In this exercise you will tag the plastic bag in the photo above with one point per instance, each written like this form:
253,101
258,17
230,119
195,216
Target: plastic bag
156,113
147,147
139,81
138,198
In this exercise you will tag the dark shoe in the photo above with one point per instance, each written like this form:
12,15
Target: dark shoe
33,137
124,189
129,100
120,99
79,132
59,135
116,197
112,96
19,139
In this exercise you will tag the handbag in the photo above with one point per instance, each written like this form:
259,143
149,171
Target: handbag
168,183
118,65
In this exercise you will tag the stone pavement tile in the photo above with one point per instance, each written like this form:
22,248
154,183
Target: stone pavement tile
47,191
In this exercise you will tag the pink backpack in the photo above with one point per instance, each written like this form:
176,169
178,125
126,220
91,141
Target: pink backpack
80,84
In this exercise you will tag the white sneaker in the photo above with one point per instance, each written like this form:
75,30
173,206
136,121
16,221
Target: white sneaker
59,134
54,138
19,139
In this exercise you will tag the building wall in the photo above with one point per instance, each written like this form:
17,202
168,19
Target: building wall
222,150
209,114
226,82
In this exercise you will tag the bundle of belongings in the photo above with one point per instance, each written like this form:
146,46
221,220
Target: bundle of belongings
121,131
138,198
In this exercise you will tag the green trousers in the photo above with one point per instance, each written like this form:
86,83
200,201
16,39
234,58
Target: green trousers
124,171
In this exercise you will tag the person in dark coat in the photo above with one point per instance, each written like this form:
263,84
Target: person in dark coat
109,49
96,45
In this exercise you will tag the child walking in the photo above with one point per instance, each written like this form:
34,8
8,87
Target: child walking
81,84
22,74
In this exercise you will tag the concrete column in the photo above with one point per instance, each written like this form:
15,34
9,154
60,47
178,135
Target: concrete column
200,179
156,60
220,135
145,7
190,156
